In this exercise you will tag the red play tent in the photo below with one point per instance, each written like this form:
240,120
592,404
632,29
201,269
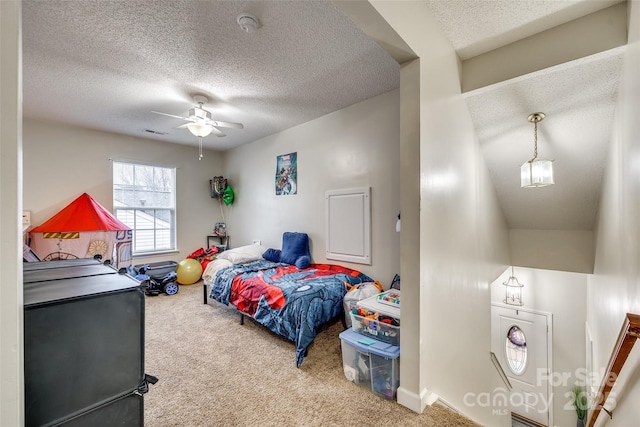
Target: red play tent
82,229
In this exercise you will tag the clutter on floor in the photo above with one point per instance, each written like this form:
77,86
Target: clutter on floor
157,277
371,346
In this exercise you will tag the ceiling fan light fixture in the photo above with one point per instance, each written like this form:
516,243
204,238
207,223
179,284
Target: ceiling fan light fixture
536,172
200,123
248,22
200,130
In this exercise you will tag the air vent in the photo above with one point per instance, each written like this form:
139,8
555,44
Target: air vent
155,132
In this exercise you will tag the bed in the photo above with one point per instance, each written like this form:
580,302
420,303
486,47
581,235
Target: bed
290,301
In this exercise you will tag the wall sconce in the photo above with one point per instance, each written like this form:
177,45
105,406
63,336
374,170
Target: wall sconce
398,224
536,172
513,294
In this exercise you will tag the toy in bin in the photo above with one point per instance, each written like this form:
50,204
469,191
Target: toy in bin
379,317
382,383
362,366
391,297
371,318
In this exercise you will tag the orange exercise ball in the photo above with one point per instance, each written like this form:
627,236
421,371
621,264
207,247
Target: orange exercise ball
189,271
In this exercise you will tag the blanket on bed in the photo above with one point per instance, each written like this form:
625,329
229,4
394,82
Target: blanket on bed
291,302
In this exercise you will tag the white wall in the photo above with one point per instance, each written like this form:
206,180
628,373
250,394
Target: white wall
564,295
412,381
463,236
354,147
62,162
614,289
563,250
11,318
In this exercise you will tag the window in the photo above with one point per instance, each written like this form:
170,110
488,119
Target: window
144,198
516,350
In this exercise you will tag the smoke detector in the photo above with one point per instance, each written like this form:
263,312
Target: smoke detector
248,22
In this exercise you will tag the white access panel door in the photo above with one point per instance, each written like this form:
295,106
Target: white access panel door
519,339
348,225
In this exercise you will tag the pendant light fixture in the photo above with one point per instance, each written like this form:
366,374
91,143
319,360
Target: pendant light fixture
536,172
513,294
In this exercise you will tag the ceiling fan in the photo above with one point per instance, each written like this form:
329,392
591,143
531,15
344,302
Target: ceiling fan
200,123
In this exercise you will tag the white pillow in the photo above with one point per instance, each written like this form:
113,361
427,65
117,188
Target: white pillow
243,254
213,267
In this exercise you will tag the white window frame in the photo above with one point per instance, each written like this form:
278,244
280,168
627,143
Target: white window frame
147,218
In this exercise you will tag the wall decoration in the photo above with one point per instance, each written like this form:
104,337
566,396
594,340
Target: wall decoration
220,229
221,190
218,185
287,174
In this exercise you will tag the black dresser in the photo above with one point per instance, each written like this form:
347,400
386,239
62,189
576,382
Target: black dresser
83,345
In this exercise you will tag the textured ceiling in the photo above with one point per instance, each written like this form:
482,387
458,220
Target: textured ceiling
478,26
107,64
578,98
579,102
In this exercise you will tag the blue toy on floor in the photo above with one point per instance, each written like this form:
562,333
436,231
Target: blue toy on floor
154,286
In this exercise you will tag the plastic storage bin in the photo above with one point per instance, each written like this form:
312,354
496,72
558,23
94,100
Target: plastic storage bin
348,306
386,332
386,303
354,295
371,363
375,329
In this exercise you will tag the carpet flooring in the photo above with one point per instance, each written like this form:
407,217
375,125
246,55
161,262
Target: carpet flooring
213,371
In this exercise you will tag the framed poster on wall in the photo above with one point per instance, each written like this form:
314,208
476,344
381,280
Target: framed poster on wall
287,174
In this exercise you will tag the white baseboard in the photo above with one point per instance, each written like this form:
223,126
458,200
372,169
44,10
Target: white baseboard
448,405
416,402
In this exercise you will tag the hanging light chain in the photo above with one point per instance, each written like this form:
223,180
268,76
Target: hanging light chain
200,148
535,139
535,118
536,172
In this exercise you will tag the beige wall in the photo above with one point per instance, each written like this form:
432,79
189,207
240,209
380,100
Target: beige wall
354,147
614,289
61,162
562,250
11,340
463,235
412,382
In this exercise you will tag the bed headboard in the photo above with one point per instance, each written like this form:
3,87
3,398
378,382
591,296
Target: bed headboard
348,225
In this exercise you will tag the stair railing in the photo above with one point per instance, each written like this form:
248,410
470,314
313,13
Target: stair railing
627,337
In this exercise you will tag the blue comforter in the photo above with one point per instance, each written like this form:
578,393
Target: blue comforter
291,302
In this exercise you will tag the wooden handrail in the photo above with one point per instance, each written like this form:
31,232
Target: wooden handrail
627,337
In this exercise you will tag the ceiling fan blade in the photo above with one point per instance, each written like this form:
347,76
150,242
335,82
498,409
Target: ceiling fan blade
227,124
218,132
170,115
